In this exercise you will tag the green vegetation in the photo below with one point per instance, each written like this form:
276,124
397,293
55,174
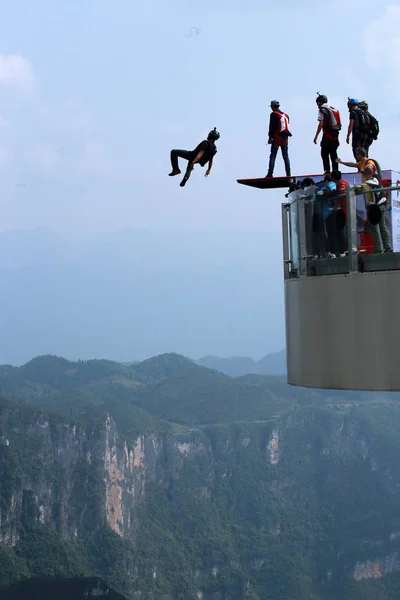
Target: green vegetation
61,589
249,489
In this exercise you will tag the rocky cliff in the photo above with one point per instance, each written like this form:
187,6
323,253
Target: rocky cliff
302,504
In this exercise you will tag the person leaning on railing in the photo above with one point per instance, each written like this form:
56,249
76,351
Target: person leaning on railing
362,162
380,230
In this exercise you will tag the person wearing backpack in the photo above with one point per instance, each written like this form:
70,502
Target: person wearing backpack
278,137
373,125
330,124
359,126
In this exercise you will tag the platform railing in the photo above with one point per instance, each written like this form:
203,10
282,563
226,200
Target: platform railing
304,224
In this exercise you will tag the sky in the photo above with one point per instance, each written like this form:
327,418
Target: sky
94,94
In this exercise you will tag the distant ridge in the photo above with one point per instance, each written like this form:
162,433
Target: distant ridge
236,366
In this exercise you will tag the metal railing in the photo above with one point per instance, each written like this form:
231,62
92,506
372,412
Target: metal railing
296,215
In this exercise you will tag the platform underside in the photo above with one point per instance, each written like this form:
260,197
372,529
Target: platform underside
270,183
267,183
342,331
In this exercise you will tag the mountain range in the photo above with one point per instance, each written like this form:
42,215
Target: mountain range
172,481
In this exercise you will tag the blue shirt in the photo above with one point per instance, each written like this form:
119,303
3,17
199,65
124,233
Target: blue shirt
327,206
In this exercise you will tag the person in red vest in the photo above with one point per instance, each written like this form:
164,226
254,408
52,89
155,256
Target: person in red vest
278,136
329,123
341,212
341,186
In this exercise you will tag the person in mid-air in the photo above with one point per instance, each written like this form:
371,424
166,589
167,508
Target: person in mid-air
329,122
278,136
204,153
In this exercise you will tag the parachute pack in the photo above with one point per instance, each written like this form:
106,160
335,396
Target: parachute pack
373,122
368,124
373,127
364,123
333,116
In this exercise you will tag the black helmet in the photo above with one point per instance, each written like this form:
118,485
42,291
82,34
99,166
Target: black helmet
214,134
363,105
321,99
275,103
307,182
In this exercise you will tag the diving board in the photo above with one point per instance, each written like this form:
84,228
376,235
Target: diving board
271,183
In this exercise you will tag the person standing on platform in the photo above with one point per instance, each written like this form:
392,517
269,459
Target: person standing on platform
278,137
359,127
330,124
373,126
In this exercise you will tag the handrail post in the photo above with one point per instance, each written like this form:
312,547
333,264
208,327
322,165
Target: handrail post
352,228
303,259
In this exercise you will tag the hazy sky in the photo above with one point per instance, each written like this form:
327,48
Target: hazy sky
94,94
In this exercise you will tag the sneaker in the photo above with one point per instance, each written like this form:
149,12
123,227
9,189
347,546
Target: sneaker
173,173
330,255
268,175
388,250
343,255
316,257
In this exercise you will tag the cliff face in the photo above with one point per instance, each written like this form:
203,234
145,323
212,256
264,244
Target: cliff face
71,476
307,501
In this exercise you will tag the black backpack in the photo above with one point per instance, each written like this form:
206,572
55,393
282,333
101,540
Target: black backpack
364,124
378,168
378,195
373,127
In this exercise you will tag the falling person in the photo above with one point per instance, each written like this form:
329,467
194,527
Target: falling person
204,153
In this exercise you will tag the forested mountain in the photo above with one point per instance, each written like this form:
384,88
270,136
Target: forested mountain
174,481
74,588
